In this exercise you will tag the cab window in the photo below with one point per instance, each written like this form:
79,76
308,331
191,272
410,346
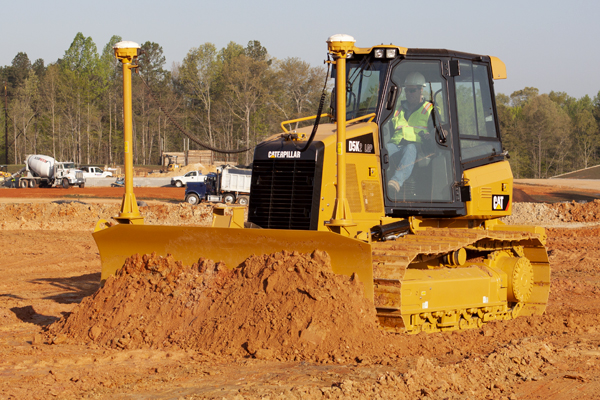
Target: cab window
365,79
419,161
476,124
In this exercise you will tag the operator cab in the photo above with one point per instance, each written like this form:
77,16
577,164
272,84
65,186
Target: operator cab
423,157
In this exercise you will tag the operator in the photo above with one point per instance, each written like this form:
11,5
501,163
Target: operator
411,125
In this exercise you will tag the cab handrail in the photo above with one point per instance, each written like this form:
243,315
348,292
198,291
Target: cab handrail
370,116
291,121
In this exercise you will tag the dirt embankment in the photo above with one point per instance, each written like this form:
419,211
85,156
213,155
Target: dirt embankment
78,215
556,214
75,215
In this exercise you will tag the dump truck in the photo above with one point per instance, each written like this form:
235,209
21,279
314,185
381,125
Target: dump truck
45,171
229,185
427,244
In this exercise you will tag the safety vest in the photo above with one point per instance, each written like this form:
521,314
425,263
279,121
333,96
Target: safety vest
416,123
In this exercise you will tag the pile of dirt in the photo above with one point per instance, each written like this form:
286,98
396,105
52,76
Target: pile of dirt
283,306
578,212
74,215
554,214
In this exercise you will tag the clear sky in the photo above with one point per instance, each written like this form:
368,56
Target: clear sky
550,45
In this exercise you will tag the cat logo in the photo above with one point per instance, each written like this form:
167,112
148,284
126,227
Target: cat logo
500,202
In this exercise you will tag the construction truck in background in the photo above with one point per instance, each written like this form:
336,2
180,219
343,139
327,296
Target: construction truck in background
44,171
228,185
172,164
410,206
4,171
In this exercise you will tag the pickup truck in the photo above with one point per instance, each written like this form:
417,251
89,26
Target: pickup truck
95,172
192,176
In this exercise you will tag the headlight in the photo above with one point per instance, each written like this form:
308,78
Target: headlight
378,53
390,53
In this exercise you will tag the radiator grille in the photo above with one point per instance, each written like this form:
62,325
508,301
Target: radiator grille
281,194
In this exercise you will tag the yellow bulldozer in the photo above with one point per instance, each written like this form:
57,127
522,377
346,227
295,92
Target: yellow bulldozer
4,171
172,164
404,187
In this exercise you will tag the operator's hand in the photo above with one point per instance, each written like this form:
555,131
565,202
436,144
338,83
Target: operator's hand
425,135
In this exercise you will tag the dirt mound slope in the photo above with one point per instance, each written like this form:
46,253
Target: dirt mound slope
286,306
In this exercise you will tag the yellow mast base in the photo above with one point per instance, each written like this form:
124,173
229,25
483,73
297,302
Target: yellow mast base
341,214
130,213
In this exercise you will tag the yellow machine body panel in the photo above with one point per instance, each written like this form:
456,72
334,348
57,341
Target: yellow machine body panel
441,289
491,191
363,177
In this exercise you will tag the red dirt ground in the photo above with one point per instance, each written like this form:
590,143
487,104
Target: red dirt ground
552,193
279,327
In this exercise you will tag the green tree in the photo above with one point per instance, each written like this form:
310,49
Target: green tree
297,88
199,74
109,72
49,92
546,129
80,88
246,89
520,97
151,67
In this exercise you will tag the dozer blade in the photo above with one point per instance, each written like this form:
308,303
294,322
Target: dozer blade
232,246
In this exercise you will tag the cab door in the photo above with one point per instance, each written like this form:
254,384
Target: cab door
431,186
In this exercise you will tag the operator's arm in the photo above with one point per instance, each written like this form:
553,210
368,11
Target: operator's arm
402,129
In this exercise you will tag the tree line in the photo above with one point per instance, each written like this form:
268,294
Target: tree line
229,98
232,98
549,134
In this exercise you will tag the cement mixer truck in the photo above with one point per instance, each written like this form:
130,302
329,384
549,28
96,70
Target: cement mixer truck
45,171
